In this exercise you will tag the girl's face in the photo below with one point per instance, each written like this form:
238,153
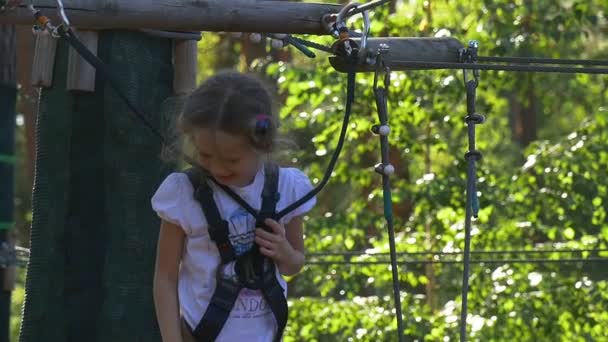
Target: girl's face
229,158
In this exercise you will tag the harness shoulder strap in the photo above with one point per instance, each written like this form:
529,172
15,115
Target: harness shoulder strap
218,227
270,194
272,289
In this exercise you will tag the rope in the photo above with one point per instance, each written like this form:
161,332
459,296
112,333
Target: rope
386,170
452,262
69,36
472,206
520,68
313,45
192,35
437,253
350,97
539,60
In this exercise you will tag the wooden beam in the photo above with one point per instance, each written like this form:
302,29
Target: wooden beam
183,15
405,49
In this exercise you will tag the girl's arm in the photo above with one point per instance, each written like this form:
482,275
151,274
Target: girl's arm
168,257
295,236
285,245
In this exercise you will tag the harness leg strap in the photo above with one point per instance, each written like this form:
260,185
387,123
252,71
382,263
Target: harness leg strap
273,293
218,311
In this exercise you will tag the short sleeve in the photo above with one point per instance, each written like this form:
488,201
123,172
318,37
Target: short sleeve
170,200
294,184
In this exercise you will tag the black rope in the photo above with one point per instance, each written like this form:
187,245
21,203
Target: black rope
477,261
350,96
98,64
437,253
396,64
382,129
541,60
472,155
313,45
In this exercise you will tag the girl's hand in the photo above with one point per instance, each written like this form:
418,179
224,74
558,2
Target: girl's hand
274,244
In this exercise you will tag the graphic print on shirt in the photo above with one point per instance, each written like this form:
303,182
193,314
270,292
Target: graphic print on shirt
250,303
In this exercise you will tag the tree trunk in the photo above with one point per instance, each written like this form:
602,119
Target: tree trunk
27,104
524,108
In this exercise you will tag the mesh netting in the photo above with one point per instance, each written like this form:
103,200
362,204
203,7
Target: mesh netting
94,233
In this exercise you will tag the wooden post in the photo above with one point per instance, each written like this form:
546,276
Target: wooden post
44,60
184,15
184,66
81,74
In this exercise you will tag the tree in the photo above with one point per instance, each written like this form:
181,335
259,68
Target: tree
428,138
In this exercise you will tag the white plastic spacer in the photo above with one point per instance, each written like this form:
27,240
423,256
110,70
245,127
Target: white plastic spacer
276,43
388,169
255,37
384,130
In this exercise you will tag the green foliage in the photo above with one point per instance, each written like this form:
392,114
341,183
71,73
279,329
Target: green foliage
17,297
549,195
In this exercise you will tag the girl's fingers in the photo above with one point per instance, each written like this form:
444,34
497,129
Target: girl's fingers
266,235
267,252
263,242
276,227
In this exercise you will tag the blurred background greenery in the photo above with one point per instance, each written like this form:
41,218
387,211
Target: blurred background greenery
542,181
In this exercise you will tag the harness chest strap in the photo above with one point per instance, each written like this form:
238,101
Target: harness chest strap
252,263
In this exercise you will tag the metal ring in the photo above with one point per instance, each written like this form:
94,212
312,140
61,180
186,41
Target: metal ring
62,14
341,17
366,28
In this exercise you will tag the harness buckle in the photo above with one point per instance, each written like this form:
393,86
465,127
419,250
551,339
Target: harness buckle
249,269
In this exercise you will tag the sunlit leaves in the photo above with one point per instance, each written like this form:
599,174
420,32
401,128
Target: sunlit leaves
549,195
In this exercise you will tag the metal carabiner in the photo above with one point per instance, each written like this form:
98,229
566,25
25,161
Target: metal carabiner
341,22
381,67
469,55
61,10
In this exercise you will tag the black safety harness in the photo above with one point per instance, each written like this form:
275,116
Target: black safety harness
253,270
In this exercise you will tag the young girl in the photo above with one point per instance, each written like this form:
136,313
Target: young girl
230,123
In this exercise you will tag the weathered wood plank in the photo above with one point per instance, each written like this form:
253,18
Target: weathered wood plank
185,15
81,74
44,60
184,66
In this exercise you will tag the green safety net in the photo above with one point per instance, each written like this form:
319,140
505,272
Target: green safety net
94,234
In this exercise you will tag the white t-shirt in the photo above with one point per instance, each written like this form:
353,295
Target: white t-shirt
251,318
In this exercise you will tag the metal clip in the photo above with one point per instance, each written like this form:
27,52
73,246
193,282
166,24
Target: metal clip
61,10
469,55
340,23
380,67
